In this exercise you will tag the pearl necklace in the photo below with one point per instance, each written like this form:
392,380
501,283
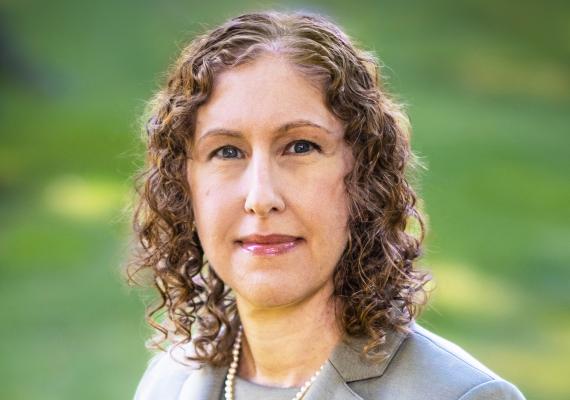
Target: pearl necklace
230,377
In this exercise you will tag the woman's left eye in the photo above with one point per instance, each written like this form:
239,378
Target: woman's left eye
303,146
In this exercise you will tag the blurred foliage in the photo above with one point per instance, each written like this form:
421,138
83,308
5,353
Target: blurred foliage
487,86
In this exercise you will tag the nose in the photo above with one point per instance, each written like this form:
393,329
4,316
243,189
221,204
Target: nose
262,184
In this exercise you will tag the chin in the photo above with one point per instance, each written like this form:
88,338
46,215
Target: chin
270,296
275,293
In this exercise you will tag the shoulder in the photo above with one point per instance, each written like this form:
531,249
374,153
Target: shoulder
164,376
449,369
428,365
442,356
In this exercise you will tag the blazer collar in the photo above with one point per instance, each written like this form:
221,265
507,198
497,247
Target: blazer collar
344,365
352,367
205,383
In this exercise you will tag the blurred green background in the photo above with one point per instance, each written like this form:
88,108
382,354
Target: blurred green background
487,86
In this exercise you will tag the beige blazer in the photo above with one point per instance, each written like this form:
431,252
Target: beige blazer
420,365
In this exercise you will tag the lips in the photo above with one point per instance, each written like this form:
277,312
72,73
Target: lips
269,245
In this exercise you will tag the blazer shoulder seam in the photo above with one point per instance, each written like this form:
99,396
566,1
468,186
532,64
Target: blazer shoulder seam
475,367
476,387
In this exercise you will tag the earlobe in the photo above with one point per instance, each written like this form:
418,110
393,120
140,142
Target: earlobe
188,168
348,158
188,176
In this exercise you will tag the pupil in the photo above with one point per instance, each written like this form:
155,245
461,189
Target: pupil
228,152
301,147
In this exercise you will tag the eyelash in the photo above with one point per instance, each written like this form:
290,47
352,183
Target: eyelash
215,152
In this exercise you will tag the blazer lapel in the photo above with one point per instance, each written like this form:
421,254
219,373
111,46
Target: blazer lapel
204,384
345,365
331,386
352,367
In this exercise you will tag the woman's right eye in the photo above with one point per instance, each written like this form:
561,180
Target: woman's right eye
226,152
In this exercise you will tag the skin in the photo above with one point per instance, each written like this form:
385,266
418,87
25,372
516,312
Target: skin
271,180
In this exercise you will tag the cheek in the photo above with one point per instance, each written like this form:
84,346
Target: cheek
211,206
326,203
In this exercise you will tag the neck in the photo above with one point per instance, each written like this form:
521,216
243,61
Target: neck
285,346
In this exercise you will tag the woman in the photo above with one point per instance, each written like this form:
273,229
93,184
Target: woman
274,219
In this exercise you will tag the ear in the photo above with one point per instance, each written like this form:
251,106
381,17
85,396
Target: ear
348,159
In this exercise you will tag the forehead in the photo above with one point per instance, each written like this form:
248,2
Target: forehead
264,94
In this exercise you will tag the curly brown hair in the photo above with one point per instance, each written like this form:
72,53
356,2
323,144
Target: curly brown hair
375,278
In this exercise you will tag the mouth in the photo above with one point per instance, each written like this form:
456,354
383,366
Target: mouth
270,249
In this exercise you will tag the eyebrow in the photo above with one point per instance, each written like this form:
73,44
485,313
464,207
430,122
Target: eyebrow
300,123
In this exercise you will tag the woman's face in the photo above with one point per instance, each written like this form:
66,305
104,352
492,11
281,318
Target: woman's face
269,158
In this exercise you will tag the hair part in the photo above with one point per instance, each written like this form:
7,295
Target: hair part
375,279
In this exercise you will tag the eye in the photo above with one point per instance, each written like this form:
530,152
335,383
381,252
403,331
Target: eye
226,152
303,146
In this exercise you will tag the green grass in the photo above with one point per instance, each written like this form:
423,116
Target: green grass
487,88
